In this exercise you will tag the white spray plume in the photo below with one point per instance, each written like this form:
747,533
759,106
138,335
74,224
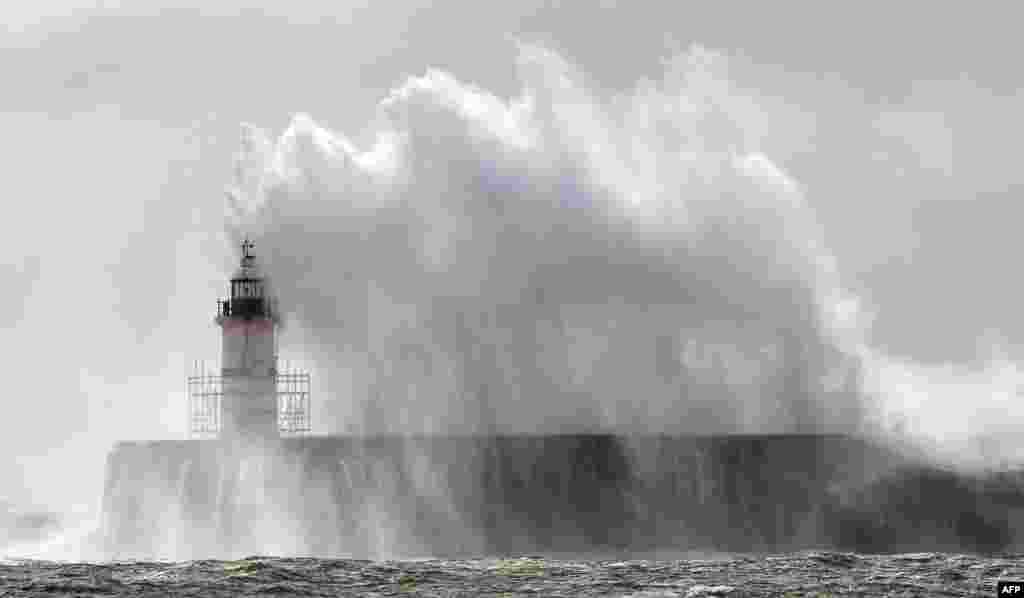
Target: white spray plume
564,262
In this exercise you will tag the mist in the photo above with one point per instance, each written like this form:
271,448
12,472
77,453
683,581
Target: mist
551,236
562,262
553,262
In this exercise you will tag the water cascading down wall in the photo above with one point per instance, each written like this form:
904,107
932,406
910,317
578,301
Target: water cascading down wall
385,497
566,321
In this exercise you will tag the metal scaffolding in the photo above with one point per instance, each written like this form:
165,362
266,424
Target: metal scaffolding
206,394
293,415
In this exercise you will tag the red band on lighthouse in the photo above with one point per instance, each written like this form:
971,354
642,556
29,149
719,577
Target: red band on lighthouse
248,327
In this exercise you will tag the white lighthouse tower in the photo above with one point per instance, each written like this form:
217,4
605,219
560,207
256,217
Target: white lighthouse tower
251,401
248,355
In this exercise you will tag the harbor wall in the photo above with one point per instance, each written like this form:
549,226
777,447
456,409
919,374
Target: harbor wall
395,496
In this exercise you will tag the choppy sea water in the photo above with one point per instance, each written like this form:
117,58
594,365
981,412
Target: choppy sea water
809,573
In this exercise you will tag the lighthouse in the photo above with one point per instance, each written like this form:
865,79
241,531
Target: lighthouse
250,401
248,323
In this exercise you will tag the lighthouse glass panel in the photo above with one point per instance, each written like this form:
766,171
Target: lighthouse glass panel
247,299
247,289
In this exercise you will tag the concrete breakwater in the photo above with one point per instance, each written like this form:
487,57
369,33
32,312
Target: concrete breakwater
398,496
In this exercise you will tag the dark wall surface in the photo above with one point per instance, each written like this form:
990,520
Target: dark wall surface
380,497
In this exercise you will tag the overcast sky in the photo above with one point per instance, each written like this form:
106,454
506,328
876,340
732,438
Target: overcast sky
120,121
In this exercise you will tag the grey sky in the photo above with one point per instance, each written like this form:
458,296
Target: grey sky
120,122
